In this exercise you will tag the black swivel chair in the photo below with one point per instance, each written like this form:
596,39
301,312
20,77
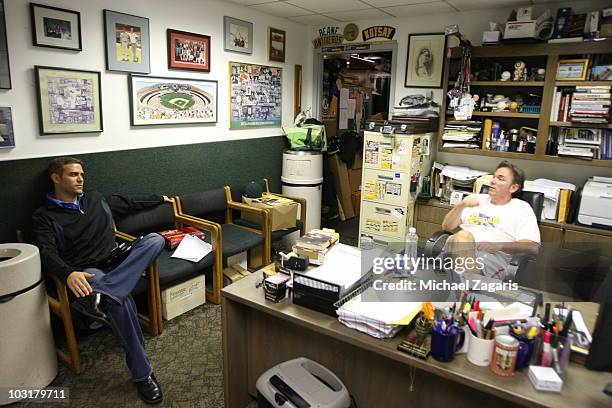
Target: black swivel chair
435,243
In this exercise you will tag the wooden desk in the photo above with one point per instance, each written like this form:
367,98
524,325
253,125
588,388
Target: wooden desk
258,334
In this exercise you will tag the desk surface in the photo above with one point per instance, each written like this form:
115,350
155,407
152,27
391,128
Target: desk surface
582,388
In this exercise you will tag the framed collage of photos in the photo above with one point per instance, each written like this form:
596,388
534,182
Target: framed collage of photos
425,64
255,95
69,100
55,27
170,101
7,132
127,42
188,51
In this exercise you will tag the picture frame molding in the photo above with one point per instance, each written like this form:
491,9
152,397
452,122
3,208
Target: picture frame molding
8,58
169,33
35,41
37,69
439,83
227,20
106,13
131,101
271,30
585,69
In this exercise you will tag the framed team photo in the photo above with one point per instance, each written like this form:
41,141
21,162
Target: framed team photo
127,42
69,100
188,51
171,101
55,27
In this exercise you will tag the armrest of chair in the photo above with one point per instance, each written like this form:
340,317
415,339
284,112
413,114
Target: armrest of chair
431,243
265,214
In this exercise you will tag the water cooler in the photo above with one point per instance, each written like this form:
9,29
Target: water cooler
303,177
27,350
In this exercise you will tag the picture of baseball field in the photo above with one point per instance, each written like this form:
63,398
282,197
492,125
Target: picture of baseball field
162,101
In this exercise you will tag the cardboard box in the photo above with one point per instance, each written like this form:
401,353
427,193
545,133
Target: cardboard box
183,297
172,237
520,29
342,183
283,211
354,179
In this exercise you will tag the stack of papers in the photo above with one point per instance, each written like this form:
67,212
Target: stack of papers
192,249
342,267
550,189
462,134
378,319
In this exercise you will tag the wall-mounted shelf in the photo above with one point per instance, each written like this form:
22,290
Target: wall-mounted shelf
504,114
582,125
552,53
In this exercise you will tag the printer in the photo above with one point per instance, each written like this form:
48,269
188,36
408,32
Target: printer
595,203
301,383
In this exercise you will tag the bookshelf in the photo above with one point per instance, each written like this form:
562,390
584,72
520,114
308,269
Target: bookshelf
541,54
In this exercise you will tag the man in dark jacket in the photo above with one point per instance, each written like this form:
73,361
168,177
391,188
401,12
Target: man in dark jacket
74,233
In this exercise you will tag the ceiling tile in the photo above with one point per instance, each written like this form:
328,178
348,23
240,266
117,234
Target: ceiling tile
251,2
329,6
419,9
281,9
313,19
463,5
390,3
358,15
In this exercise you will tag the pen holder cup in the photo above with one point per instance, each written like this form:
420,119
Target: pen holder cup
444,344
523,355
479,350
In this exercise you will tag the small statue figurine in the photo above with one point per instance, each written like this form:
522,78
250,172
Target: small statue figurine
519,71
540,74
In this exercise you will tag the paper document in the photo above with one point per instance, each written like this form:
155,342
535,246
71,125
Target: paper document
342,266
192,249
462,173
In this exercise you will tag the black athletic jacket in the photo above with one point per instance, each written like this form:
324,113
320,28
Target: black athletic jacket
70,240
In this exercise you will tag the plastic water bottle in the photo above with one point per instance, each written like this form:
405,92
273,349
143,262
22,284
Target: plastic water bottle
410,250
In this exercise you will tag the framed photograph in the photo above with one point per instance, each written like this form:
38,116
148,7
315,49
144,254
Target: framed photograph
55,27
5,67
297,90
69,100
601,73
237,35
188,51
255,95
7,133
276,45
171,101
127,42
425,64
572,69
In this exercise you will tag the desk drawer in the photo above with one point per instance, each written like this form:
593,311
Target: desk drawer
550,234
387,187
426,230
387,220
577,236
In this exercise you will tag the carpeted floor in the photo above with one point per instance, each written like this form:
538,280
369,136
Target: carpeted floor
187,358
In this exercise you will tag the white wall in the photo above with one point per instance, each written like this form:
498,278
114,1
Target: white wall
472,24
199,16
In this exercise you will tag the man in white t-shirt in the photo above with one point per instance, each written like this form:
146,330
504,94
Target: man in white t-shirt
494,226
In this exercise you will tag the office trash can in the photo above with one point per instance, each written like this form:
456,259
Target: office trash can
303,177
27,350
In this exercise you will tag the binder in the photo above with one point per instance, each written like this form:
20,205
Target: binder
565,197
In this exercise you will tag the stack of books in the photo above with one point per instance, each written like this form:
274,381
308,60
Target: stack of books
590,104
315,244
465,134
580,142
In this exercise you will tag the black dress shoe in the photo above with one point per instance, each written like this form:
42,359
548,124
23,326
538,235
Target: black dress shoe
90,307
149,390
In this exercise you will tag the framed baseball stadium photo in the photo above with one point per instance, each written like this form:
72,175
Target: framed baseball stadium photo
127,42
69,100
55,27
255,95
171,101
425,64
189,51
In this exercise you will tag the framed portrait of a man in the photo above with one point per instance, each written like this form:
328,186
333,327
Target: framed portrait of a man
425,62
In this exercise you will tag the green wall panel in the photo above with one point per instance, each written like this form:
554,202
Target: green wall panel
170,170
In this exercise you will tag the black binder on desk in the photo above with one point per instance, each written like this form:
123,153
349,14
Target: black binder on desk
319,295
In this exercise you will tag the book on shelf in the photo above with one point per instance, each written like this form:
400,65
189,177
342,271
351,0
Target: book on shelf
581,104
580,142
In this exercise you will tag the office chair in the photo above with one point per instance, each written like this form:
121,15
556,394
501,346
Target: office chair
435,243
